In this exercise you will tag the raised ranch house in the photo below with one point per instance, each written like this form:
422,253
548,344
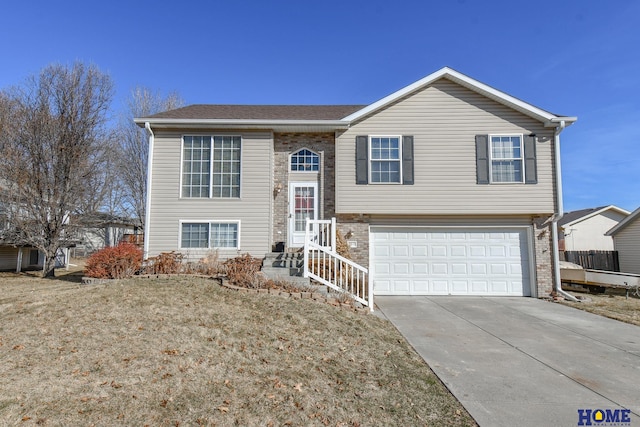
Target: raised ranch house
445,187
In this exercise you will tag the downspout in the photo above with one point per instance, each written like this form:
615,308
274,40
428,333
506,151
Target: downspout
557,281
147,207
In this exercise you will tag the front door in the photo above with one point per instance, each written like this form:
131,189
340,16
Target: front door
303,204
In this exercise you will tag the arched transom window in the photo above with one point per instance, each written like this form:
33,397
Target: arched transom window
305,161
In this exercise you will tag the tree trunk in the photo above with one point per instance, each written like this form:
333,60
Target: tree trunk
48,270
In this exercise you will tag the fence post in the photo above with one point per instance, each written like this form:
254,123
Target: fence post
306,250
334,247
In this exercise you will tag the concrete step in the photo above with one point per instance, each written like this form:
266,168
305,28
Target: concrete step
285,266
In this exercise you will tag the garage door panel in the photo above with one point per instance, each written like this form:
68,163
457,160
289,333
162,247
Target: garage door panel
458,251
440,269
499,286
400,268
457,268
400,251
380,250
498,268
497,251
382,268
438,251
479,286
419,250
421,268
477,251
478,269
459,286
420,287
416,261
440,287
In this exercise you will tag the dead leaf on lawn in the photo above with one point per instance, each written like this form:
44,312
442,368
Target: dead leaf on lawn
223,409
18,347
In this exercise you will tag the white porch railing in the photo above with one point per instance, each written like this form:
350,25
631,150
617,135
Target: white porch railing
323,264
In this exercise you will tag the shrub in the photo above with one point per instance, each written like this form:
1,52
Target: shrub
210,264
114,262
165,263
244,271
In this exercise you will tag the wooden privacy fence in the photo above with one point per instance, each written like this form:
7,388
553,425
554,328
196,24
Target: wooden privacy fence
594,260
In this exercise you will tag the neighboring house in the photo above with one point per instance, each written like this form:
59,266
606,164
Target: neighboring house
585,229
17,257
447,186
626,240
101,230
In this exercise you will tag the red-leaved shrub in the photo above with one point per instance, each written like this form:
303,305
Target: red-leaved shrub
114,262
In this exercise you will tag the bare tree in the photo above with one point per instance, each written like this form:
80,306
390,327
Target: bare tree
53,132
134,148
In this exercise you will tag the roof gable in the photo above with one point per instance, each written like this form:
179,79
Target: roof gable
574,217
546,117
625,222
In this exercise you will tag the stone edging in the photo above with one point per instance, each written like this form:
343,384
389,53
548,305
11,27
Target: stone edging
314,296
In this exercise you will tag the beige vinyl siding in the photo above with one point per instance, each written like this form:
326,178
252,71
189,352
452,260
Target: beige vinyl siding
452,221
252,209
627,243
444,119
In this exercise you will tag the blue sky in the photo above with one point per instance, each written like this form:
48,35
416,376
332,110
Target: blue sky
577,58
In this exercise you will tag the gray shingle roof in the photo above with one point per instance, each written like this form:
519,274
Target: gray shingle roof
260,112
573,215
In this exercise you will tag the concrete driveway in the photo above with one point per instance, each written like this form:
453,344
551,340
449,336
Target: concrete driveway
524,361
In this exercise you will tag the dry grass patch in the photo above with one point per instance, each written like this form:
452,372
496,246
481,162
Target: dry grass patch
184,351
616,307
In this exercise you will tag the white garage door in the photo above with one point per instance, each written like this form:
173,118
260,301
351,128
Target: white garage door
430,261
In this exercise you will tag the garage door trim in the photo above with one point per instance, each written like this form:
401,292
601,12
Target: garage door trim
528,229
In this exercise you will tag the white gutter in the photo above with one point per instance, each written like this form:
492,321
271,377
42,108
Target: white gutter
557,281
147,207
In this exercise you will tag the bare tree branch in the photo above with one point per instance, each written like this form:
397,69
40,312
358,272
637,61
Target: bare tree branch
134,148
52,142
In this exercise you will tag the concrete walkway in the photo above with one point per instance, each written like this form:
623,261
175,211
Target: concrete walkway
524,361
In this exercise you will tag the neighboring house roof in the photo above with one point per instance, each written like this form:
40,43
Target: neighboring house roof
102,219
622,224
329,117
574,217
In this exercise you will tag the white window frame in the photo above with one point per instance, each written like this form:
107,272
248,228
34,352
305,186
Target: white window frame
209,222
371,160
521,158
211,173
305,171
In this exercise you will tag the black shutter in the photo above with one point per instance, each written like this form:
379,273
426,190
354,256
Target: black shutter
530,163
482,159
407,160
362,159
